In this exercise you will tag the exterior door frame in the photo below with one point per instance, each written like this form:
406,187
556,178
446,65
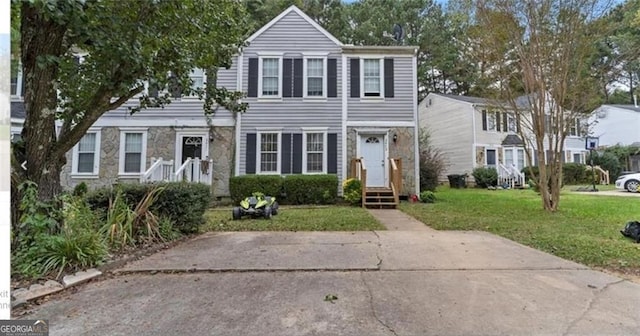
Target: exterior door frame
191,132
514,156
360,133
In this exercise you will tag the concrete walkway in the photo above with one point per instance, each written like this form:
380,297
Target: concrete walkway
418,282
397,220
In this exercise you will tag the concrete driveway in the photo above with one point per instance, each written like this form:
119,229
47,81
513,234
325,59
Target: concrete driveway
386,283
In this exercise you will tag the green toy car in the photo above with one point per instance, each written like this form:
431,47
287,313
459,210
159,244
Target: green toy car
257,205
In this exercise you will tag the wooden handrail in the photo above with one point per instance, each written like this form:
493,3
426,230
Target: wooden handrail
396,178
363,180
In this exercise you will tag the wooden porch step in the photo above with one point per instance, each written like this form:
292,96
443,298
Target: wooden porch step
379,198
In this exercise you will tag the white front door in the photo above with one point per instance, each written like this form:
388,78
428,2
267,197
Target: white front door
372,150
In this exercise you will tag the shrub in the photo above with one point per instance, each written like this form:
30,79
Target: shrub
432,163
485,177
80,189
607,161
575,173
311,189
243,186
183,203
427,197
527,173
352,191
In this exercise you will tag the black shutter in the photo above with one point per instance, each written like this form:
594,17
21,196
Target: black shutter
286,153
332,80
505,122
484,120
332,153
355,78
253,77
518,123
250,154
297,153
175,88
388,78
153,89
297,77
287,77
497,114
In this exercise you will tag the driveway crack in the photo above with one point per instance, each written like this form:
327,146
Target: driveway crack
372,306
378,250
596,296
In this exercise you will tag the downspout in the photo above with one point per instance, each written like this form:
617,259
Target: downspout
473,131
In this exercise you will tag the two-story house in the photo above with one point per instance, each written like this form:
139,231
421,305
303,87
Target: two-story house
616,125
471,132
316,106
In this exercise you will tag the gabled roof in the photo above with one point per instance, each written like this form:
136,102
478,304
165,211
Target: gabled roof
466,99
306,17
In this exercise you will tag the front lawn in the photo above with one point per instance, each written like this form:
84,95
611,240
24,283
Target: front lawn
333,218
586,229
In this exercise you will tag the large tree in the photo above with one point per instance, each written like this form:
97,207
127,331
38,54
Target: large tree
125,44
537,56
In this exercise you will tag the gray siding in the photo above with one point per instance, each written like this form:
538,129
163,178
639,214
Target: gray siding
292,32
292,36
451,128
398,108
185,108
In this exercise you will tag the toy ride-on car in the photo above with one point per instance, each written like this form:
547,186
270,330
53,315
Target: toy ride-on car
257,205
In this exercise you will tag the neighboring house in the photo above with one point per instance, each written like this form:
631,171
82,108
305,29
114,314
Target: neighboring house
17,107
616,124
470,134
315,105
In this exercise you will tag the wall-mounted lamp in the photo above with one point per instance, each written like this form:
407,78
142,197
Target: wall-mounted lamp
210,138
395,138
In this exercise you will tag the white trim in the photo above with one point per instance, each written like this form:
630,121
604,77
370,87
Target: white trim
324,151
238,121
269,129
377,131
379,123
261,58
160,122
269,54
278,155
96,156
416,134
305,79
381,75
315,129
181,134
345,99
143,156
304,16
17,120
474,132
378,55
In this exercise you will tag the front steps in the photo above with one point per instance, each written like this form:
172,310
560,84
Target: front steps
379,198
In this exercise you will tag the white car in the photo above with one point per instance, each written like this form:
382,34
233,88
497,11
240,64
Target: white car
629,182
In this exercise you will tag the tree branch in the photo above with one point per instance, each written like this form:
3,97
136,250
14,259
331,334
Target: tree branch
70,138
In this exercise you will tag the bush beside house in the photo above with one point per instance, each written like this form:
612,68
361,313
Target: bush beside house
291,189
485,177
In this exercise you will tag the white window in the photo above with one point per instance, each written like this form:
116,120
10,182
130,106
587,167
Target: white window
133,151
315,152
315,78
268,153
86,154
270,74
197,76
512,123
575,129
492,121
578,157
372,77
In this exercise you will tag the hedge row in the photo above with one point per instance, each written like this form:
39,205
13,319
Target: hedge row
290,189
572,173
183,203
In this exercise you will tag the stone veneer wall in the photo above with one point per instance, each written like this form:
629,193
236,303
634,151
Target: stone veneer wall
160,143
222,153
403,148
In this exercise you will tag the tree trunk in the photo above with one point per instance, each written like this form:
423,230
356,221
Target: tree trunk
42,42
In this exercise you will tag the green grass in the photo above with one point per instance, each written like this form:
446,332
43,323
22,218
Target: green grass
334,218
586,229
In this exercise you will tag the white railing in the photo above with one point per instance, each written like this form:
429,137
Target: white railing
509,175
192,170
195,170
160,170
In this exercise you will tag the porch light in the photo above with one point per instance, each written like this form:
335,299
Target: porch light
395,137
